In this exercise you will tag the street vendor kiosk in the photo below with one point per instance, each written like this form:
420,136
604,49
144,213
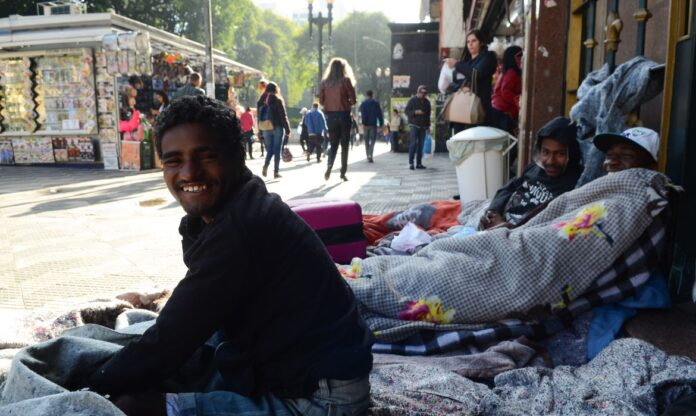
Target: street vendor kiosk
63,80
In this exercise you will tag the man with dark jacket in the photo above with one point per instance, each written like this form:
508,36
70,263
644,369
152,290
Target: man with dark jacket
418,113
283,335
192,88
371,117
557,170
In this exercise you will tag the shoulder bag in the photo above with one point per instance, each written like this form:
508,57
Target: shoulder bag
464,106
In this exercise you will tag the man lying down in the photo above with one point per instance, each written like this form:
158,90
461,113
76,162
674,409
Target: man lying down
464,283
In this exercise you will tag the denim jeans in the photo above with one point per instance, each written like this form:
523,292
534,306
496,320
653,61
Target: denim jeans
334,397
370,139
415,148
274,141
339,129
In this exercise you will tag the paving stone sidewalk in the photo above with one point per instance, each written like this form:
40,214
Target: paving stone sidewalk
70,233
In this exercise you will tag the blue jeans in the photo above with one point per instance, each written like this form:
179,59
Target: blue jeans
416,145
370,139
274,141
339,130
334,397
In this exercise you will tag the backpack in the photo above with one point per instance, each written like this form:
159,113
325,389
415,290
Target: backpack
265,119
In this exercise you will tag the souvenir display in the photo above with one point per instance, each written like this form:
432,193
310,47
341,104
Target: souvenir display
18,105
66,85
33,150
6,152
73,149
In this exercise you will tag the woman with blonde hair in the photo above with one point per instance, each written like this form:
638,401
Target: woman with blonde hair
337,96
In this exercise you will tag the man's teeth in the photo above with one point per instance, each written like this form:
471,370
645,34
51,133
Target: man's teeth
194,188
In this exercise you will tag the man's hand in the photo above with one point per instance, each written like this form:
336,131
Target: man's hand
146,404
418,112
490,219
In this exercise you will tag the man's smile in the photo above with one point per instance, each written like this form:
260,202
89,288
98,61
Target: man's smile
194,188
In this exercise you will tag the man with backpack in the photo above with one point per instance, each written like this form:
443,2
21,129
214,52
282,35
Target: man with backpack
316,130
371,117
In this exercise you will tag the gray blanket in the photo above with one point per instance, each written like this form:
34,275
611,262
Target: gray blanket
465,283
629,377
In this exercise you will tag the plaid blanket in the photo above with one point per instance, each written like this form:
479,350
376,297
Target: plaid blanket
584,249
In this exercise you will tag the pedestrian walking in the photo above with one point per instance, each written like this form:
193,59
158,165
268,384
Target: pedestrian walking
337,96
272,110
302,130
316,130
371,118
418,112
247,121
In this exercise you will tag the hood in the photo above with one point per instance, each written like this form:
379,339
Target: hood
564,131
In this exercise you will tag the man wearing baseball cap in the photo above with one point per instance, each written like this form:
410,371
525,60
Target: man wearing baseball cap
636,147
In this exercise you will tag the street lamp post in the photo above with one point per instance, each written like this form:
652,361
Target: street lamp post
320,21
382,78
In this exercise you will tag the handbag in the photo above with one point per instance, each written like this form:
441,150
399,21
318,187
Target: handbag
464,106
287,156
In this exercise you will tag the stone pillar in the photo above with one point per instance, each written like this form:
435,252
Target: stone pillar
544,70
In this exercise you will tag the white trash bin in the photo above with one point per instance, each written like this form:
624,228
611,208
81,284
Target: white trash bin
478,154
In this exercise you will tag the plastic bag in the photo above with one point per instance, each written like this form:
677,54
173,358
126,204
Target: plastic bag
410,237
445,78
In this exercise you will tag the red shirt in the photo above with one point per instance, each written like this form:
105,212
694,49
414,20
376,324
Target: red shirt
247,121
506,95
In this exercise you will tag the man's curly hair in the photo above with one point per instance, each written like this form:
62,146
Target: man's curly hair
219,119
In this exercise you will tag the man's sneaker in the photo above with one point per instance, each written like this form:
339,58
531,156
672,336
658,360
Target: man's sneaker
410,167
264,171
308,156
421,167
344,177
369,159
327,174
277,175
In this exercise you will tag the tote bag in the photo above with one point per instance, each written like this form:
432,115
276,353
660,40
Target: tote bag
464,106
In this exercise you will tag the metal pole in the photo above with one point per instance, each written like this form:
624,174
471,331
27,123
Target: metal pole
210,68
320,26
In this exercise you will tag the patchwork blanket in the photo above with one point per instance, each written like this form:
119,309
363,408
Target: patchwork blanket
509,277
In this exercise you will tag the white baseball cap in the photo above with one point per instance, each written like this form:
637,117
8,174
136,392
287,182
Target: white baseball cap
647,139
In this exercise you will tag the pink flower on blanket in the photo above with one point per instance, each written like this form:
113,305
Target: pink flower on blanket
589,221
428,310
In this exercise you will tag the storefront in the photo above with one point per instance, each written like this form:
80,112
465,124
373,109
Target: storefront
63,80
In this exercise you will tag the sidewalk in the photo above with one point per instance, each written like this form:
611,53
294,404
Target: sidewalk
68,233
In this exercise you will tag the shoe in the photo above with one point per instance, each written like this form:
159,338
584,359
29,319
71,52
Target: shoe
308,156
327,174
277,175
420,167
318,160
345,179
370,160
264,171
410,167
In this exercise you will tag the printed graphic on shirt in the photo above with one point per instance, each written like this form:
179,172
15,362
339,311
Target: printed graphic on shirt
527,197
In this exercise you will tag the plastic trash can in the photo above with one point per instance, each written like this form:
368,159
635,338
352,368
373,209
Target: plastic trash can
478,156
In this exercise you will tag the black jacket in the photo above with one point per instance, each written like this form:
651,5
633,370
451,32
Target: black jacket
287,322
485,65
534,188
415,103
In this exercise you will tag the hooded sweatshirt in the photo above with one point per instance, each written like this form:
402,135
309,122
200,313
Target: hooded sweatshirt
534,188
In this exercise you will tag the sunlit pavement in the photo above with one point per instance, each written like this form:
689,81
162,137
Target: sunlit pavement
75,233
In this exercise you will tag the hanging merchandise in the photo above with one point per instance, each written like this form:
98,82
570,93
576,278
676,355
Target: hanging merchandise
65,85
17,108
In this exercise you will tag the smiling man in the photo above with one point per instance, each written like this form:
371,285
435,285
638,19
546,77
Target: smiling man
636,147
283,335
556,171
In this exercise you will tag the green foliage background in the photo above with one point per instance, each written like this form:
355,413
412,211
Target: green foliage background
260,38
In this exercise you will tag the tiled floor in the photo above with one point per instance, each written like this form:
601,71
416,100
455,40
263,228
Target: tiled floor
78,233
